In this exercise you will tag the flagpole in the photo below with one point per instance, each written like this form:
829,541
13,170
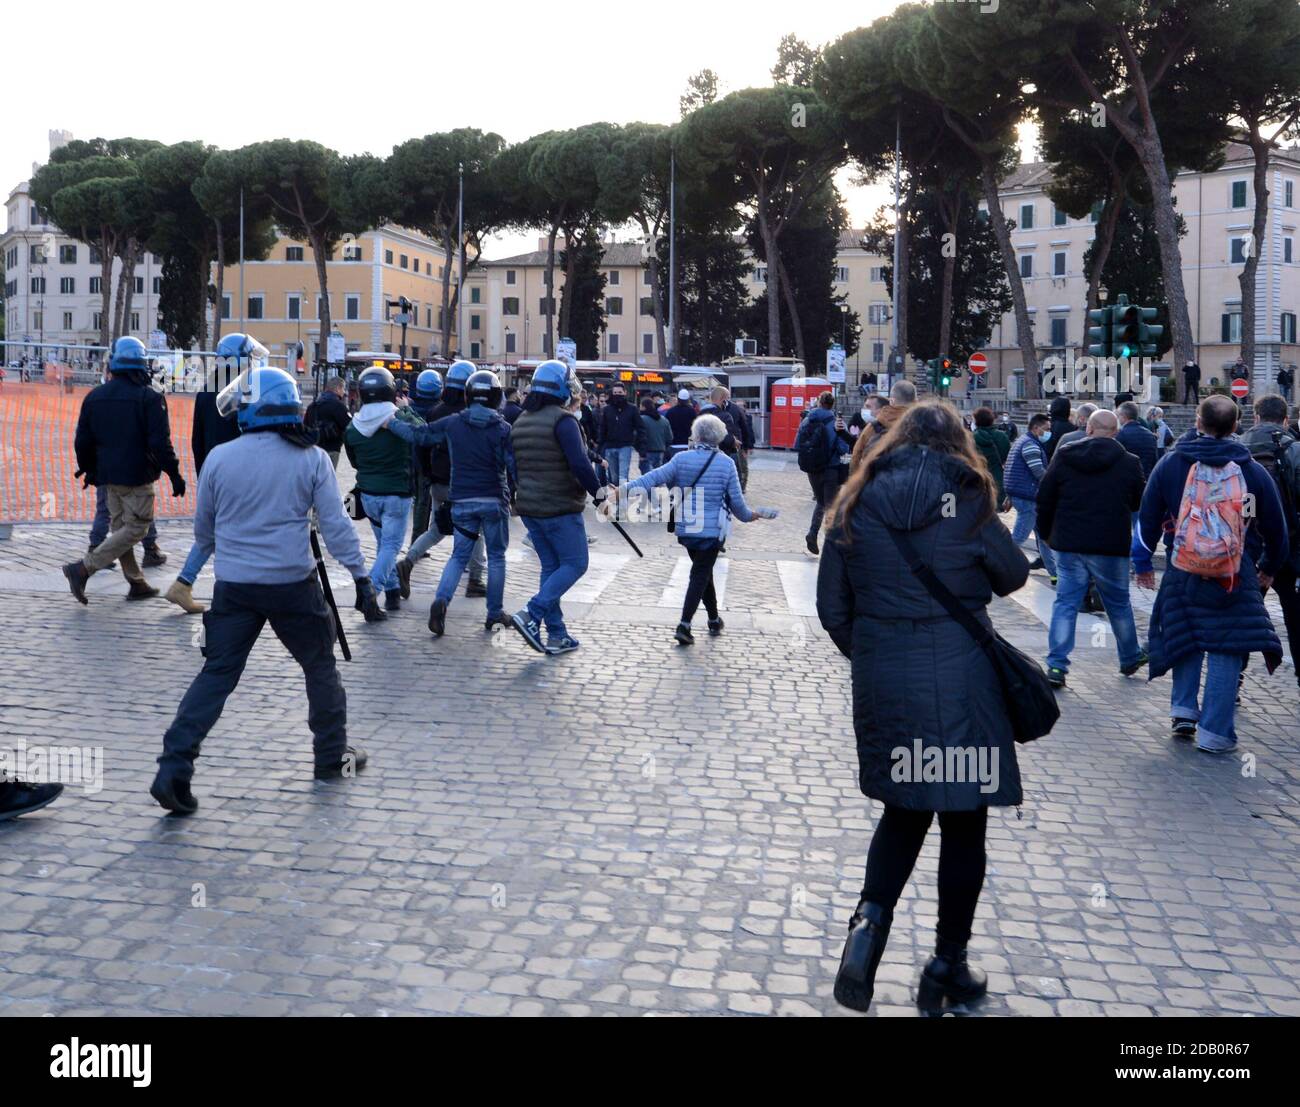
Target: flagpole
672,258
241,261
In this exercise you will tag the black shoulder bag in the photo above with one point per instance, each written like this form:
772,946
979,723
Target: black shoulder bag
1031,704
672,508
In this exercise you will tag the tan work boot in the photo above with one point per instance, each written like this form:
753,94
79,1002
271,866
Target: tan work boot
182,595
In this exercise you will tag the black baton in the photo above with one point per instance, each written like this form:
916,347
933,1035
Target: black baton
329,596
626,537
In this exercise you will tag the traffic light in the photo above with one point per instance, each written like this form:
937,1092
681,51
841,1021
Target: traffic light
941,372
1126,328
1099,336
1148,335
945,372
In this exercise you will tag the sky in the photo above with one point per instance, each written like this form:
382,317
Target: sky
362,79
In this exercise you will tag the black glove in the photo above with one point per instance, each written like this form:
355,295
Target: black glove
87,478
178,484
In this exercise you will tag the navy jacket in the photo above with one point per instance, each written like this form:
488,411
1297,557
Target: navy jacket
1087,498
1141,443
210,429
681,416
1197,614
328,414
123,435
477,441
618,426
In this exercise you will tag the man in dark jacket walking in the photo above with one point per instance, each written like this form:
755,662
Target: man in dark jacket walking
1085,506
680,416
328,417
123,443
617,426
737,421
1026,465
1202,621
1135,438
835,442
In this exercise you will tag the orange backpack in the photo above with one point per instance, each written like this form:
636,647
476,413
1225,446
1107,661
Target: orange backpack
1210,534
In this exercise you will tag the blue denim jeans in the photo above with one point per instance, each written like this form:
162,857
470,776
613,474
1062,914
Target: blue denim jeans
620,464
99,526
561,546
1074,570
489,520
651,461
1214,729
194,562
1026,521
388,515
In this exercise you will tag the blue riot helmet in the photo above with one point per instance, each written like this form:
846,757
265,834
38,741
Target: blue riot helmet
262,397
428,385
483,387
235,353
459,373
554,378
128,356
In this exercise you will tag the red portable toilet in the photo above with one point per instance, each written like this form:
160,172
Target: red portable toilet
791,397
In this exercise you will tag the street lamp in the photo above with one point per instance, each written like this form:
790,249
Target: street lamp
844,327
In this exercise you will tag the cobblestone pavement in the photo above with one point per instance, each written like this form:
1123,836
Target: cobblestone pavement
632,828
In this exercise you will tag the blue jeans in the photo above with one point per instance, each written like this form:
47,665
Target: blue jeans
489,520
1111,577
194,562
651,461
1026,521
99,527
620,464
388,515
1214,729
561,545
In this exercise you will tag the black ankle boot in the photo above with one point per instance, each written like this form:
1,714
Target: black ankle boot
948,974
855,983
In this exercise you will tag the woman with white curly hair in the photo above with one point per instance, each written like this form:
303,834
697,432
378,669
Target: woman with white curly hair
710,496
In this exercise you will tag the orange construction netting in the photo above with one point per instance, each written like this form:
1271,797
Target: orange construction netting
37,425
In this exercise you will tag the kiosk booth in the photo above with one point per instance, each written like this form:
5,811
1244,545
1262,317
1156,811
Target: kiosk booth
791,397
752,380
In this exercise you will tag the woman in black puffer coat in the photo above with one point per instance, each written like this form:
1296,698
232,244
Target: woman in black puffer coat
931,725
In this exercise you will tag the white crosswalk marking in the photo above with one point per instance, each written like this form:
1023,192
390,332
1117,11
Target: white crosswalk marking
675,589
799,583
601,571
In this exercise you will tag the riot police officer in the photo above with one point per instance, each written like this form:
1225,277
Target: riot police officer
252,514
123,443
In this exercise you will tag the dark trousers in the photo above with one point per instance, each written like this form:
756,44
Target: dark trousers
825,486
700,584
895,846
423,507
304,624
1191,393
99,527
1284,584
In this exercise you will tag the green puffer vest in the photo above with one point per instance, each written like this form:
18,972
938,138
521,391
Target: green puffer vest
546,485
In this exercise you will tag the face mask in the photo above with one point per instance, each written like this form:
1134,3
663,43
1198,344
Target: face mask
1046,436
868,416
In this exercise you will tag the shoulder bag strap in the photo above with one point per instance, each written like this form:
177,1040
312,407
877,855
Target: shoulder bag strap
939,590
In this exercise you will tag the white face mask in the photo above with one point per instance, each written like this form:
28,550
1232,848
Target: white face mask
868,416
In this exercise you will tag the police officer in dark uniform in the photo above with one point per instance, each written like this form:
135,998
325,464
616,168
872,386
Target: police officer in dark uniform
124,444
252,513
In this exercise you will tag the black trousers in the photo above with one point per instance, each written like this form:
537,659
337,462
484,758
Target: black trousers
896,845
825,486
1284,584
700,585
305,626
1191,393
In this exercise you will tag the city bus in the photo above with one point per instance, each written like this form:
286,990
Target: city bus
598,377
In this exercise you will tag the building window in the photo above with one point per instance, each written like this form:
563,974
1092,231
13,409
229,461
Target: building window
510,276
67,285
1287,249
294,308
475,295
1238,194
415,264
404,261
645,278
135,320
613,343
96,258
1058,263
1237,250
842,274
877,353
1288,326
612,277
1288,191
428,318
94,286
67,320
139,286
1026,265
157,286
614,305
225,306
877,273
38,285
352,306
388,257
878,314
475,321
1059,218
546,305
1058,331
428,269
255,307
510,305
38,320
647,344
1230,326
475,350
35,255
760,274
293,253
1026,222
647,305
96,320
67,255
510,342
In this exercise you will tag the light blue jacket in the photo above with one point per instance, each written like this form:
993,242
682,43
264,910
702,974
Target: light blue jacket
700,514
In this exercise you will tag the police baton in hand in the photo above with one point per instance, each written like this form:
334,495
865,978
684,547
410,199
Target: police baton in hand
329,595
619,527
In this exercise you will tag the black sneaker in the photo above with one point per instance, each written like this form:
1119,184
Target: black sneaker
174,794
18,798
354,760
529,628
153,558
404,568
1055,677
715,626
1129,670
811,542
683,635
1037,563
1182,728
393,599
492,622
77,575
475,587
438,618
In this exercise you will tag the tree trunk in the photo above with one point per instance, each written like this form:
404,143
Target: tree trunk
1106,225
119,301
221,285
948,213
1260,148
321,254
773,284
549,348
445,322
905,267
787,293
570,271
105,294
1151,154
1025,327
128,282
657,306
